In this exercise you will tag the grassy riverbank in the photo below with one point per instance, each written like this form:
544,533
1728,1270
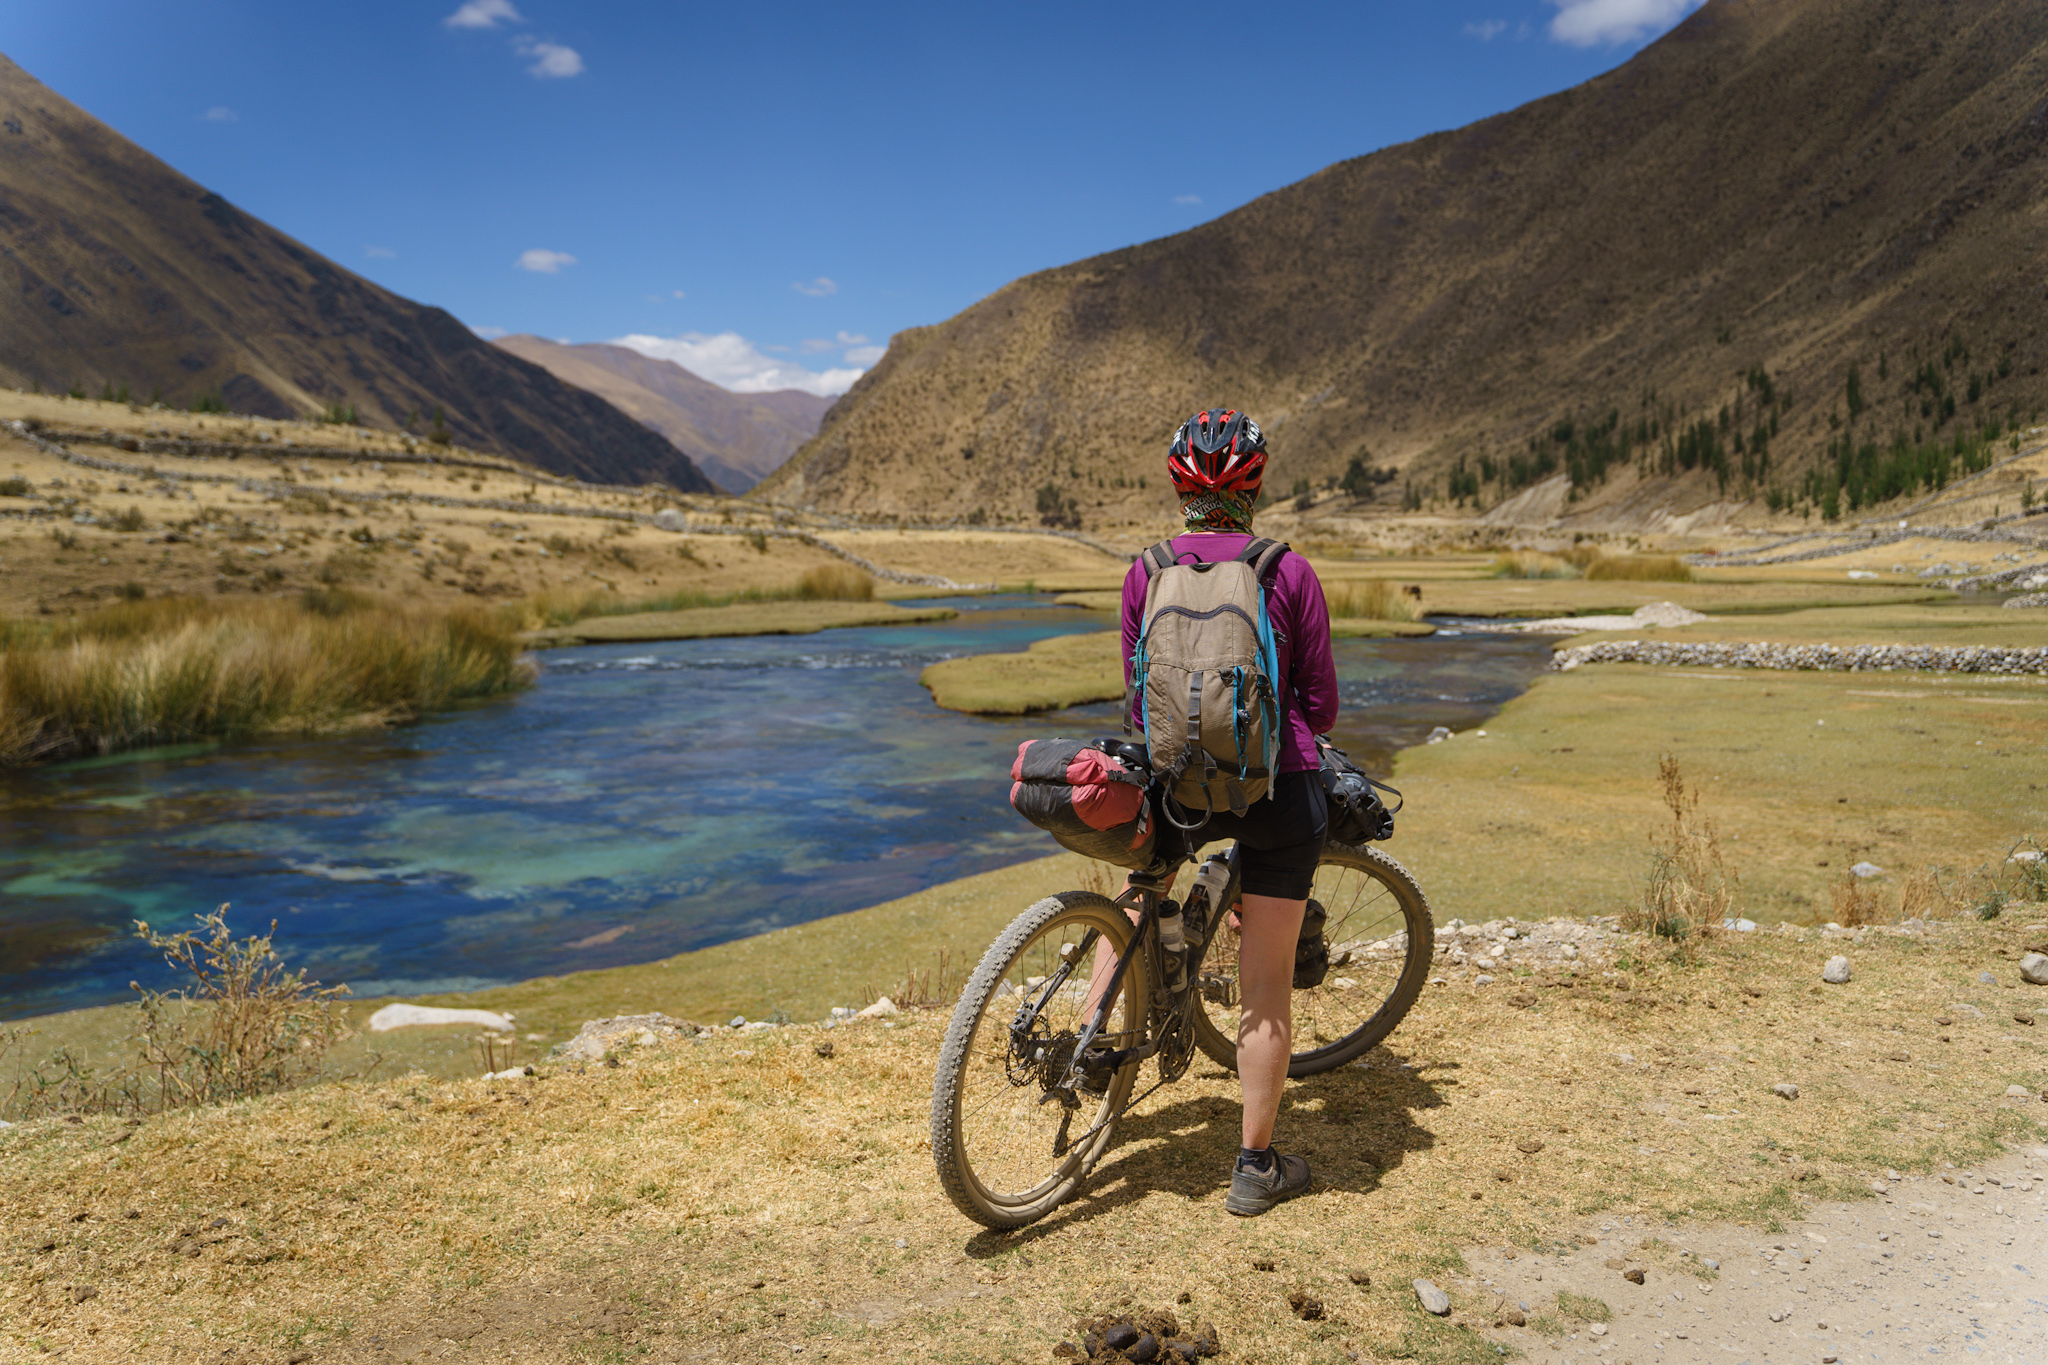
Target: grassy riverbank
744,1195
169,670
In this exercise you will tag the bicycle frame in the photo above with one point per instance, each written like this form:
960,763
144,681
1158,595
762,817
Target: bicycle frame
1145,894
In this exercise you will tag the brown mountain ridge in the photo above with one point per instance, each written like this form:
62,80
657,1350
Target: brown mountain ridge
116,272
737,439
1714,232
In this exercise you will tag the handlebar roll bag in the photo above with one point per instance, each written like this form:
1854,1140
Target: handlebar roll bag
1086,799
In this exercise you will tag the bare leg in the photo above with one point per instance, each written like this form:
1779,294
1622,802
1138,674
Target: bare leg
1105,958
1265,1029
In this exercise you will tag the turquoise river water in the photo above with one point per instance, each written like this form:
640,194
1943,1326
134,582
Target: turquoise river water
640,800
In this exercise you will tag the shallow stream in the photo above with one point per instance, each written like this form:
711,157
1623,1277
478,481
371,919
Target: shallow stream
641,800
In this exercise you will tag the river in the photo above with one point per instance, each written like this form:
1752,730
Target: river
640,800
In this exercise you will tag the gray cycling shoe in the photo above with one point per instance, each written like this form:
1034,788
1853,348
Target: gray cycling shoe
1252,1192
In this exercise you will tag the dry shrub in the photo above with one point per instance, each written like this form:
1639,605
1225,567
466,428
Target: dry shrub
1532,564
247,1025
1641,569
1856,902
1097,878
1372,600
835,583
1691,888
935,988
346,566
169,670
1582,557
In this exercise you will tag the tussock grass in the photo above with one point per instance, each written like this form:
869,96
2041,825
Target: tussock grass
1373,599
567,606
1532,564
1639,569
169,670
1691,887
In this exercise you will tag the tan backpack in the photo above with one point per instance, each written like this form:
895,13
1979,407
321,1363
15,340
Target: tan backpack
1207,670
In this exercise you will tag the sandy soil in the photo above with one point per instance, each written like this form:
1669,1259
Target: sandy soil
1941,1265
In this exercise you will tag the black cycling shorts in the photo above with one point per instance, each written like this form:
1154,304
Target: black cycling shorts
1281,836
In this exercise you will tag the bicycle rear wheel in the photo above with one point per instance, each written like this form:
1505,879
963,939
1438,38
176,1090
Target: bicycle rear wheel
1010,1143
1381,941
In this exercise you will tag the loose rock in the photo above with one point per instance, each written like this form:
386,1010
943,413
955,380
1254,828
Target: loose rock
599,1036
1433,1300
1785,1090
1633,1275
1836,972
2034,969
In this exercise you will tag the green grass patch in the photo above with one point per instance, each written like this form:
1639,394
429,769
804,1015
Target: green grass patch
1066,670
1583,1307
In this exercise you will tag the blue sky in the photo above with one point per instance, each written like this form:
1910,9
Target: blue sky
766,192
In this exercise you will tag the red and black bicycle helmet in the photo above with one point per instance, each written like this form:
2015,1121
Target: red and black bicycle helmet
1220,450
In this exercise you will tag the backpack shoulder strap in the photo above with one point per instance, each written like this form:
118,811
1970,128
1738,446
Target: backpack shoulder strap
1158,557
1263,555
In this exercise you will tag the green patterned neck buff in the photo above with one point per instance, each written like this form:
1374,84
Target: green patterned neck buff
1219,511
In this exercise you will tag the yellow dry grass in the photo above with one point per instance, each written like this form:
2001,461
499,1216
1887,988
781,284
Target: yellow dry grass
754,617
734,1198
1373,599
173,669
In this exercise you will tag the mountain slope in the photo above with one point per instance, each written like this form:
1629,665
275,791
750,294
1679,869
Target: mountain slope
736,438
116,270
1796,185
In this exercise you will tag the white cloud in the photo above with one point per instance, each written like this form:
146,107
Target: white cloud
1598,23
813,345
551,59
484,14
489,333
1187,199
1486,30
865,355
220,113
730,360
677,294
544,262
380,253
817,288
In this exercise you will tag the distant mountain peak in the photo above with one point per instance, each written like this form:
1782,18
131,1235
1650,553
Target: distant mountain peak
736,438
117,270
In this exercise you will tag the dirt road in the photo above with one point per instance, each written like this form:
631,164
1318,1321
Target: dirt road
1944,1265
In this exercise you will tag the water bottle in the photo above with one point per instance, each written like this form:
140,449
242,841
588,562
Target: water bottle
1173,948
1205,898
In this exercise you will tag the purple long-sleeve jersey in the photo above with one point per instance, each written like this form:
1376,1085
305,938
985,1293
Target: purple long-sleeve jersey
1301,629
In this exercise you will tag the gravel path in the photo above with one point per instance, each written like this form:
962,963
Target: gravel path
1928,1268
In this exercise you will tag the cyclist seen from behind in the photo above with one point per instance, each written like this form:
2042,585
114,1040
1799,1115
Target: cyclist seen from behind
1217,462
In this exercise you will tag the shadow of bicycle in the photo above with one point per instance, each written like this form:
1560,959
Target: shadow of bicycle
1353,1125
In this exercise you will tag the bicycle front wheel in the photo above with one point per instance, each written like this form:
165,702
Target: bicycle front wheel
1012,1143
1381,941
